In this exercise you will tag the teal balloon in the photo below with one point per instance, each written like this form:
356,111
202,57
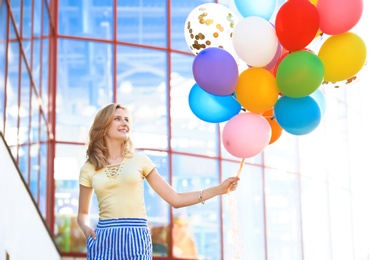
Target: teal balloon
211,108
261,8
297,116
300,74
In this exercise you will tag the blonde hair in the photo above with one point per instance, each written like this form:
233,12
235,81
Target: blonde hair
97,150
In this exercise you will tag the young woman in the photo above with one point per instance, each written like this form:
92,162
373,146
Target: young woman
116,172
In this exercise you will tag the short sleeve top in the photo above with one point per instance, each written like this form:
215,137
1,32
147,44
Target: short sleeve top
120,193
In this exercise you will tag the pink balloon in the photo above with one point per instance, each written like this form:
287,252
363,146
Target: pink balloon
246,134
339,16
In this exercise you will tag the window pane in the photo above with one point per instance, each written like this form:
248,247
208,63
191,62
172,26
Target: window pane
360,227
337,130
46,20
37,30
3,62
92,19
27,19
189,133
338,162
35,120
36,62
283,153
247,204
42,179
44,87
142,22
315,219
84,85
23,163
341,223
283,215
11,130
67,164
356,157
313,164
200,223
34,171
44,131
15,9
142,87
157,210
24,107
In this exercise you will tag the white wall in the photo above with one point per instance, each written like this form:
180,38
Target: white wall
23,234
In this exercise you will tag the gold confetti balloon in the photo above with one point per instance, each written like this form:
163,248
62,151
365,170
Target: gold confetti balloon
210,25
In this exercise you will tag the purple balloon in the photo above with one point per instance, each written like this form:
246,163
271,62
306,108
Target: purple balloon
216,71
275,59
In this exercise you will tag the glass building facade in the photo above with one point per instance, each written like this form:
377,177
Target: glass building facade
60,61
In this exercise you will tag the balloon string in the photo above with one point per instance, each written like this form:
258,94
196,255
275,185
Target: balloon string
240,169
235,230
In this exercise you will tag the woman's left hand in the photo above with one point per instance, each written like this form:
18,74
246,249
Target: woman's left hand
230,184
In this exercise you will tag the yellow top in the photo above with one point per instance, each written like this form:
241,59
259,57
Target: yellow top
119,188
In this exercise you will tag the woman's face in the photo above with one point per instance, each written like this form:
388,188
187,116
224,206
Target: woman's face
119,127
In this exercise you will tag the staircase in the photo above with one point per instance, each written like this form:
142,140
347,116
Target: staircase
23,231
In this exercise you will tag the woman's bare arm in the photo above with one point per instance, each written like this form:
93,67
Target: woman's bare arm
83,219
183,199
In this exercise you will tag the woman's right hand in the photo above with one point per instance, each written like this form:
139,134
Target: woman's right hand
88,232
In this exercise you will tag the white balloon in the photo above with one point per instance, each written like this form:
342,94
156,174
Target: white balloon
210,25
255,41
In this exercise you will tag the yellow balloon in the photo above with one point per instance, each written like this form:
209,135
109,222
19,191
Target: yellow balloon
343,55
314,2
256,90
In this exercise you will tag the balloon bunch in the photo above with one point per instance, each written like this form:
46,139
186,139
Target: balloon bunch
262,77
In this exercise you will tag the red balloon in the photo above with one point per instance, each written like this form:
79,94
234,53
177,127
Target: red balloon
275,68
297,23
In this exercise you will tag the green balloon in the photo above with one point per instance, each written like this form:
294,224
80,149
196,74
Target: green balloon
300,74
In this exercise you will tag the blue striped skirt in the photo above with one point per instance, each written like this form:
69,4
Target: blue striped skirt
120,239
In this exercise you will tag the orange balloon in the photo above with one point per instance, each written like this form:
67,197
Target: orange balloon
276,129
256,90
